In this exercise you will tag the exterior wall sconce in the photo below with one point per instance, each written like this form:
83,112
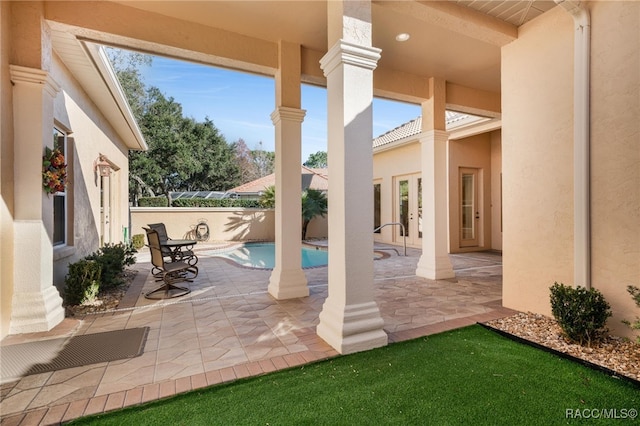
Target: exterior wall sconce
102,166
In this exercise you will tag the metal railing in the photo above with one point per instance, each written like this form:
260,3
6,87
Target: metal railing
404,234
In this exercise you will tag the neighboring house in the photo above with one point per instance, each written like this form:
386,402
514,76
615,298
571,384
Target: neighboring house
561,76
76,104
310,178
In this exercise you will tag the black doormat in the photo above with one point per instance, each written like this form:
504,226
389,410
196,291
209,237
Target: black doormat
57,354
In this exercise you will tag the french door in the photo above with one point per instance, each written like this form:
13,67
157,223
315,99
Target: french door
469,207
408,209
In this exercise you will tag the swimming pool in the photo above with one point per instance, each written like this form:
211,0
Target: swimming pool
263,255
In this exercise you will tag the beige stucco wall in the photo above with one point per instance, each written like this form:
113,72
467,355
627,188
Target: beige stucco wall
387,164
615,150
537,150
92,135
6,175
537,75
472,152
225,224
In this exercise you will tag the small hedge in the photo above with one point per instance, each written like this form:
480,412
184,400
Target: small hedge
216,202
100,270
152,201
582,314
82,282
137,241
113,258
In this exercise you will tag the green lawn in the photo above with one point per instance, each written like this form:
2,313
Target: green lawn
467,376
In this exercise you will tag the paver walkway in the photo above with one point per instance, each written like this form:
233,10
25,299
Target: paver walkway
229,327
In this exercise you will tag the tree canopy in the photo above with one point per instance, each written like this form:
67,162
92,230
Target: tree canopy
317,160
255,163
184,154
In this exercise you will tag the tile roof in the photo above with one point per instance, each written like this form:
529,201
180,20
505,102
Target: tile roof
414,127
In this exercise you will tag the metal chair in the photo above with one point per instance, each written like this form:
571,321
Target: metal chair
184,255
169,273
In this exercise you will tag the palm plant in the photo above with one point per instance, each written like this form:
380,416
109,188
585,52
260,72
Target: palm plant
314,203
268,197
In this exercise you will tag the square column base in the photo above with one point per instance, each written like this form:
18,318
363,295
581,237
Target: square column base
288,284
352,328
437,268
36,311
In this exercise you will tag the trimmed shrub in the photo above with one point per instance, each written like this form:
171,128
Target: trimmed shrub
581,313
152,201
137,241
82,282
216,202
635,295
113,258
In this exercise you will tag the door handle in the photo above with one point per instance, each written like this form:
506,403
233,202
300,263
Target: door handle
477,215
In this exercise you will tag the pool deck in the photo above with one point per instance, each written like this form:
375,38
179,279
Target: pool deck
229,327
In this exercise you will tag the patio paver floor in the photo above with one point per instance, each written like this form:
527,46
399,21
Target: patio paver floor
229,327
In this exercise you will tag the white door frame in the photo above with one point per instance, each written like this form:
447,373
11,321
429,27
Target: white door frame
469,208
407,208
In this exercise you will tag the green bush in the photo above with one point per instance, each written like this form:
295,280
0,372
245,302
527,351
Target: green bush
113,258
82,282
581,313
137,241
635,294
152,201
216,202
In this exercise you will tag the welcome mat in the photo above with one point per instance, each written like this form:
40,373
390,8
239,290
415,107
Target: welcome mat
57,354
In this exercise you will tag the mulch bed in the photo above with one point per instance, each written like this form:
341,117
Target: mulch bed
106,300
617,354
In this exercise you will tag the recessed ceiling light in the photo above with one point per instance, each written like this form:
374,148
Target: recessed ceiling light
402,37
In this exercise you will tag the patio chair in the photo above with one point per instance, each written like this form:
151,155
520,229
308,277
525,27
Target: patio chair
169,273
185,255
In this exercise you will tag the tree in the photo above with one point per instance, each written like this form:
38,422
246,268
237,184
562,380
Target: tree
253,164
268,197
317,160
314,203
127,66
264,161
183,154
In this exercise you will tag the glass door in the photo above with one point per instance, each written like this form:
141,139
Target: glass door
408,209
469,209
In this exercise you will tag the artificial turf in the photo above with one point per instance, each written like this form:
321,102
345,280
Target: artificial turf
465,376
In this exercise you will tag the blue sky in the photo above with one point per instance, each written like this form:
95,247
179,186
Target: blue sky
240,104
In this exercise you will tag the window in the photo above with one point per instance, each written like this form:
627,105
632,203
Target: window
60,198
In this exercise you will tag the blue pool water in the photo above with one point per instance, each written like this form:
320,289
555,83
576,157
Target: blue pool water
262,255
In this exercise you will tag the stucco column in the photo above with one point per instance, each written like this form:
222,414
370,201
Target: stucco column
36,304
350,320
288,279
434,262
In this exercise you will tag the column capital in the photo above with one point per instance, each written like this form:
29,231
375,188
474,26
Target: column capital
433,135
20,74
288,113
344,52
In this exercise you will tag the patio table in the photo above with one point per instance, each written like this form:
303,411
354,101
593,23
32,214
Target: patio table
181,250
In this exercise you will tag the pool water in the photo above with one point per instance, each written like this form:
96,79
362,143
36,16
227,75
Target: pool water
263,255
